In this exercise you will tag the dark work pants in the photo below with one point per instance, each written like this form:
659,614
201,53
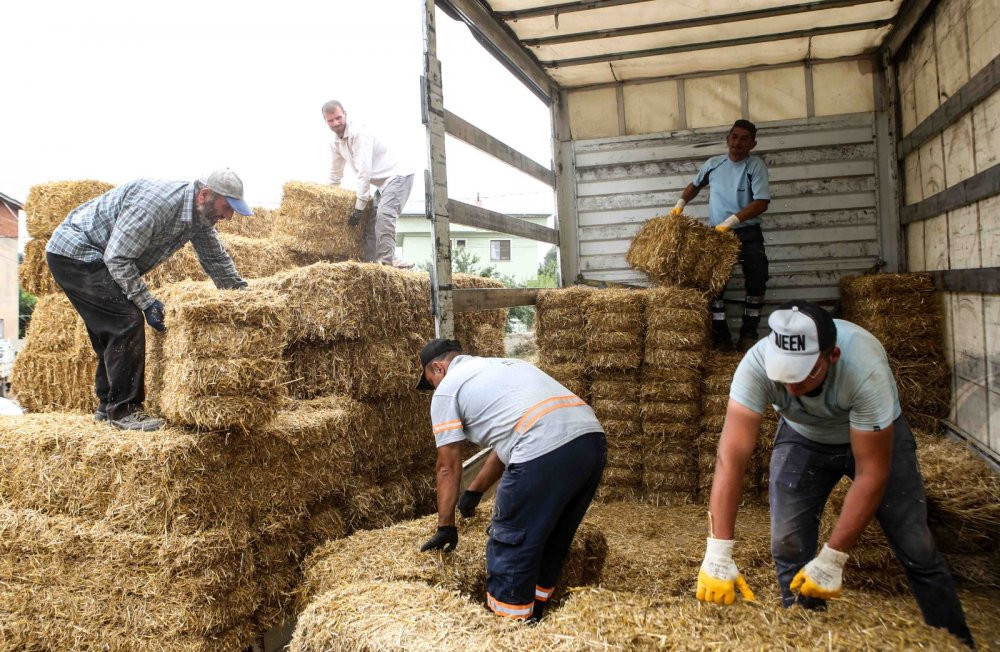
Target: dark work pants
803,473
539,506
753,260
116,329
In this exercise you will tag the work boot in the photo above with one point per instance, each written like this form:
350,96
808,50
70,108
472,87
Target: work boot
746,342
137,421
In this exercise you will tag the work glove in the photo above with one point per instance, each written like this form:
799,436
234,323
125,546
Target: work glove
719,578
355,218
821,578
445,539
468,502
154,315
727,224
678,207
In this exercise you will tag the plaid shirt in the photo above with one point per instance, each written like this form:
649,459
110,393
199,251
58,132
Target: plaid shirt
137,226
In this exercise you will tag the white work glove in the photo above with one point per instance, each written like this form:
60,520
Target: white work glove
727,224
719,578
821,578
678,207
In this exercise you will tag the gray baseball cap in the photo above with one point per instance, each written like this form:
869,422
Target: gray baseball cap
225,182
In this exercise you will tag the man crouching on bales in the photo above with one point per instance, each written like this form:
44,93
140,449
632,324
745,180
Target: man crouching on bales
831,383
98,254
549,449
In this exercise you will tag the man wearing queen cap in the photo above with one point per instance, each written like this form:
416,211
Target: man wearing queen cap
99,254
831,383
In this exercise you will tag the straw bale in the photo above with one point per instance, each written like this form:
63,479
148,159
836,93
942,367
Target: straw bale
180,480
33,271
557,319
924,389
623,386
48,204
623,303
60,632
616,410
712,422
963,496
654,389
258,225
626,451
572,376
393,554
313,218
671,411
614,341
716,404
364,369
397,615
680,251
571,298
670,359
673,305
616,429
253,258
677,340
871,286
660,318
606,319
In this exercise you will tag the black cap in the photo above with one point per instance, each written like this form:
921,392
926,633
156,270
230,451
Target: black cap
431,350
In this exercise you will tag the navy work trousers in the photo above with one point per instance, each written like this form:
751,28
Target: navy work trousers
539,506
803,473
115,326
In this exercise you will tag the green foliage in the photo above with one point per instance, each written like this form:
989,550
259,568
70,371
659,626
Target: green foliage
25,306
548,270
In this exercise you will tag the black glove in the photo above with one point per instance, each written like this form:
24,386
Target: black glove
355,218
445,539
154,316
468,502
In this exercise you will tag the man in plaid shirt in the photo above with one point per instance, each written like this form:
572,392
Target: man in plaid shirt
99,253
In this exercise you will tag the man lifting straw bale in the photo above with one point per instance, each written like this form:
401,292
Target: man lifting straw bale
549,452
831,383
101,250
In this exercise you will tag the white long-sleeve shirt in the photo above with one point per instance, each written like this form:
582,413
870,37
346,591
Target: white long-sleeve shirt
370,157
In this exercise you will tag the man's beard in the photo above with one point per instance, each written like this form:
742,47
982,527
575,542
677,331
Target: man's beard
203,211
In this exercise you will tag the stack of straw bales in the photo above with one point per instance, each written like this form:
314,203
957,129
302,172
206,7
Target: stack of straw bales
256,226
312,222
47,206
615,325
904,312
677,340
560,330
683,252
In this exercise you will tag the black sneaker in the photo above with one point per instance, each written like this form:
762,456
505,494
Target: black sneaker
138,421
722,343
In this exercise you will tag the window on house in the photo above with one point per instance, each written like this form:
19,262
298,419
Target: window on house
499,249
459,244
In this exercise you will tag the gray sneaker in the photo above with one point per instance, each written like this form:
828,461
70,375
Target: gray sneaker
101,415
137,421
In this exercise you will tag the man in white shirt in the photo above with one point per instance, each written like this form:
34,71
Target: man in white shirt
549,449
382,180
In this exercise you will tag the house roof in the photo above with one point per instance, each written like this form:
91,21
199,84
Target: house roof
7,199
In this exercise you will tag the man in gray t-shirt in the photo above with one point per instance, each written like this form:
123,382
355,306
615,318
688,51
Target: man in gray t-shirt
831,383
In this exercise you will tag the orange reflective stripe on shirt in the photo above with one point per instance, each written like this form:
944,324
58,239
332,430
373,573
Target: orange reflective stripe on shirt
515,611
445,426
539,410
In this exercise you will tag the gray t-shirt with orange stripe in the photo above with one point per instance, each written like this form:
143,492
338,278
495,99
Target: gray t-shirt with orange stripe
510,405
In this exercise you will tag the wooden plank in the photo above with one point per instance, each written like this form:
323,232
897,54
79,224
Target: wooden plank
476,299
980,186
566,217
974,91
664,26
562,8
701,151
469,215
909,16
499,41
985,280
711,45
473,135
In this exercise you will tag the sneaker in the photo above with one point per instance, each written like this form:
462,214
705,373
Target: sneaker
138,421
101,414
722,343
401,264
746,342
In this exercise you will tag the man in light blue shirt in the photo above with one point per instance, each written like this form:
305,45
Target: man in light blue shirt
738,194
831,383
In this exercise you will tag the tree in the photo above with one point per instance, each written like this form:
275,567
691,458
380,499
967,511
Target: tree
548,270
25,306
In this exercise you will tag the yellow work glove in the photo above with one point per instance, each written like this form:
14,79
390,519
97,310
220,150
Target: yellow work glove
678,207
719,578
727,224
821,578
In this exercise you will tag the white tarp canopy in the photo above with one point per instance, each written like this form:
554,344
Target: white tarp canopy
606,41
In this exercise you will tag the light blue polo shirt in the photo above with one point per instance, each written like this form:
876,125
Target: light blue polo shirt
732,185
859,391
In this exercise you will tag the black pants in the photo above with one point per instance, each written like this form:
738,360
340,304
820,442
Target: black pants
116,329
803,473
753,260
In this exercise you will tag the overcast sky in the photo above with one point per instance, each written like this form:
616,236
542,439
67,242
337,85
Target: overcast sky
115,90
